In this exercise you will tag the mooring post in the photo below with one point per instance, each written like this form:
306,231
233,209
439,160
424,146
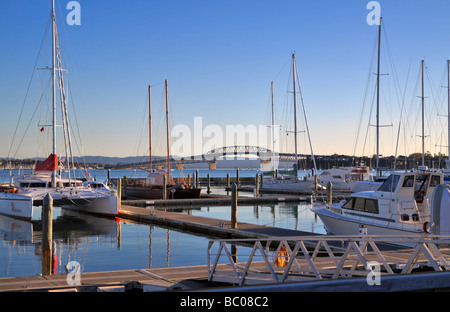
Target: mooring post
330,192
316,184
164,188
119,193
234,197
108,180
209,185
47,234
197,179
228,180
257,185
237,176
124,187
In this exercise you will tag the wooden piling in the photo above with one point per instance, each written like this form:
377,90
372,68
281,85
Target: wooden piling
257,185
164,195
119,193
124,187
330,192
209,185
237,176
234,197
47,234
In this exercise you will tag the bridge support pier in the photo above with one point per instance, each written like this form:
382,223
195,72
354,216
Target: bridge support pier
265,164
212,165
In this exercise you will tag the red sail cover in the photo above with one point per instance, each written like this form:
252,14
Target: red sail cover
50,164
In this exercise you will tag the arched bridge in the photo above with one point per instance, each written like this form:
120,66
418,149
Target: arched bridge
211,157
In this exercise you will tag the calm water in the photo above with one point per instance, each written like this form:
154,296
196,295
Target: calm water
104,244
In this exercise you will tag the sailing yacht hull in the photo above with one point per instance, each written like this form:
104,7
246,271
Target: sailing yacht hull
106,206
16,205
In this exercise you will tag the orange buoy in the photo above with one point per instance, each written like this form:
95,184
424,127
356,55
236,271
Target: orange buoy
282,257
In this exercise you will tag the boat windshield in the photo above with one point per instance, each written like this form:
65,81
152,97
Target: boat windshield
390,184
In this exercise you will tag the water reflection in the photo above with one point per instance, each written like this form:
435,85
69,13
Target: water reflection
107,244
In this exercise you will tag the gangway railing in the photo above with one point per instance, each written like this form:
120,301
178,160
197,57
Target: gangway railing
288,259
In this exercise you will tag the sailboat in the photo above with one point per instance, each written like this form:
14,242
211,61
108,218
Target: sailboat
152,186
410,202
27,191
344,178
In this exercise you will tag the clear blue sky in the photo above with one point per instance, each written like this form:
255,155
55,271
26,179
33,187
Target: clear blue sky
219,58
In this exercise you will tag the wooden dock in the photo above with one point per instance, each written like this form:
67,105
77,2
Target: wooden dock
198,278
203,225
146,280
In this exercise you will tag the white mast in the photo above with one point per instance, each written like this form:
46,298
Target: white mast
54,87
448,112
273,121
378,101
295,114
423,121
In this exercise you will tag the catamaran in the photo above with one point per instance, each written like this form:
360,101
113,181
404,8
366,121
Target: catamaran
24,192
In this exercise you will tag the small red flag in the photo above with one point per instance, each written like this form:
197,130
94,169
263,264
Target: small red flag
42,129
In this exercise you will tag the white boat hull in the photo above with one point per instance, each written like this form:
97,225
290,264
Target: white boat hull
95,202
107,205
16,205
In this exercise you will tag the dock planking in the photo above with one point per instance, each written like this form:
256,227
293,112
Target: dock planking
147,280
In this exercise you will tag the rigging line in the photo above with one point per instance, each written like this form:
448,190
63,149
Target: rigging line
28,126
29,85
306,124
143,123
400,118
435,95
369,79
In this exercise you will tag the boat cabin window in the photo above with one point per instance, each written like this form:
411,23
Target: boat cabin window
337,177
435,180
408,181
390,184
33,184
362,204
421,181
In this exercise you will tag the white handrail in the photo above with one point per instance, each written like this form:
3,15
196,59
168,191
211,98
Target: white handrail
324,257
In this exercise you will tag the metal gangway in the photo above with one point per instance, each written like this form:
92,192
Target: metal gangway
324,257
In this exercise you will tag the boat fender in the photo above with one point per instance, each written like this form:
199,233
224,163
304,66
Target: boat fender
283,257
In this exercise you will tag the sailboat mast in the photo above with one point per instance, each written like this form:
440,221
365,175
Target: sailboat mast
167,134
295,113
423,120
448,111
150,126
273,120
54,87
378,100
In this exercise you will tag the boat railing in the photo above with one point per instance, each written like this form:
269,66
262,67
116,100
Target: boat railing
290,259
